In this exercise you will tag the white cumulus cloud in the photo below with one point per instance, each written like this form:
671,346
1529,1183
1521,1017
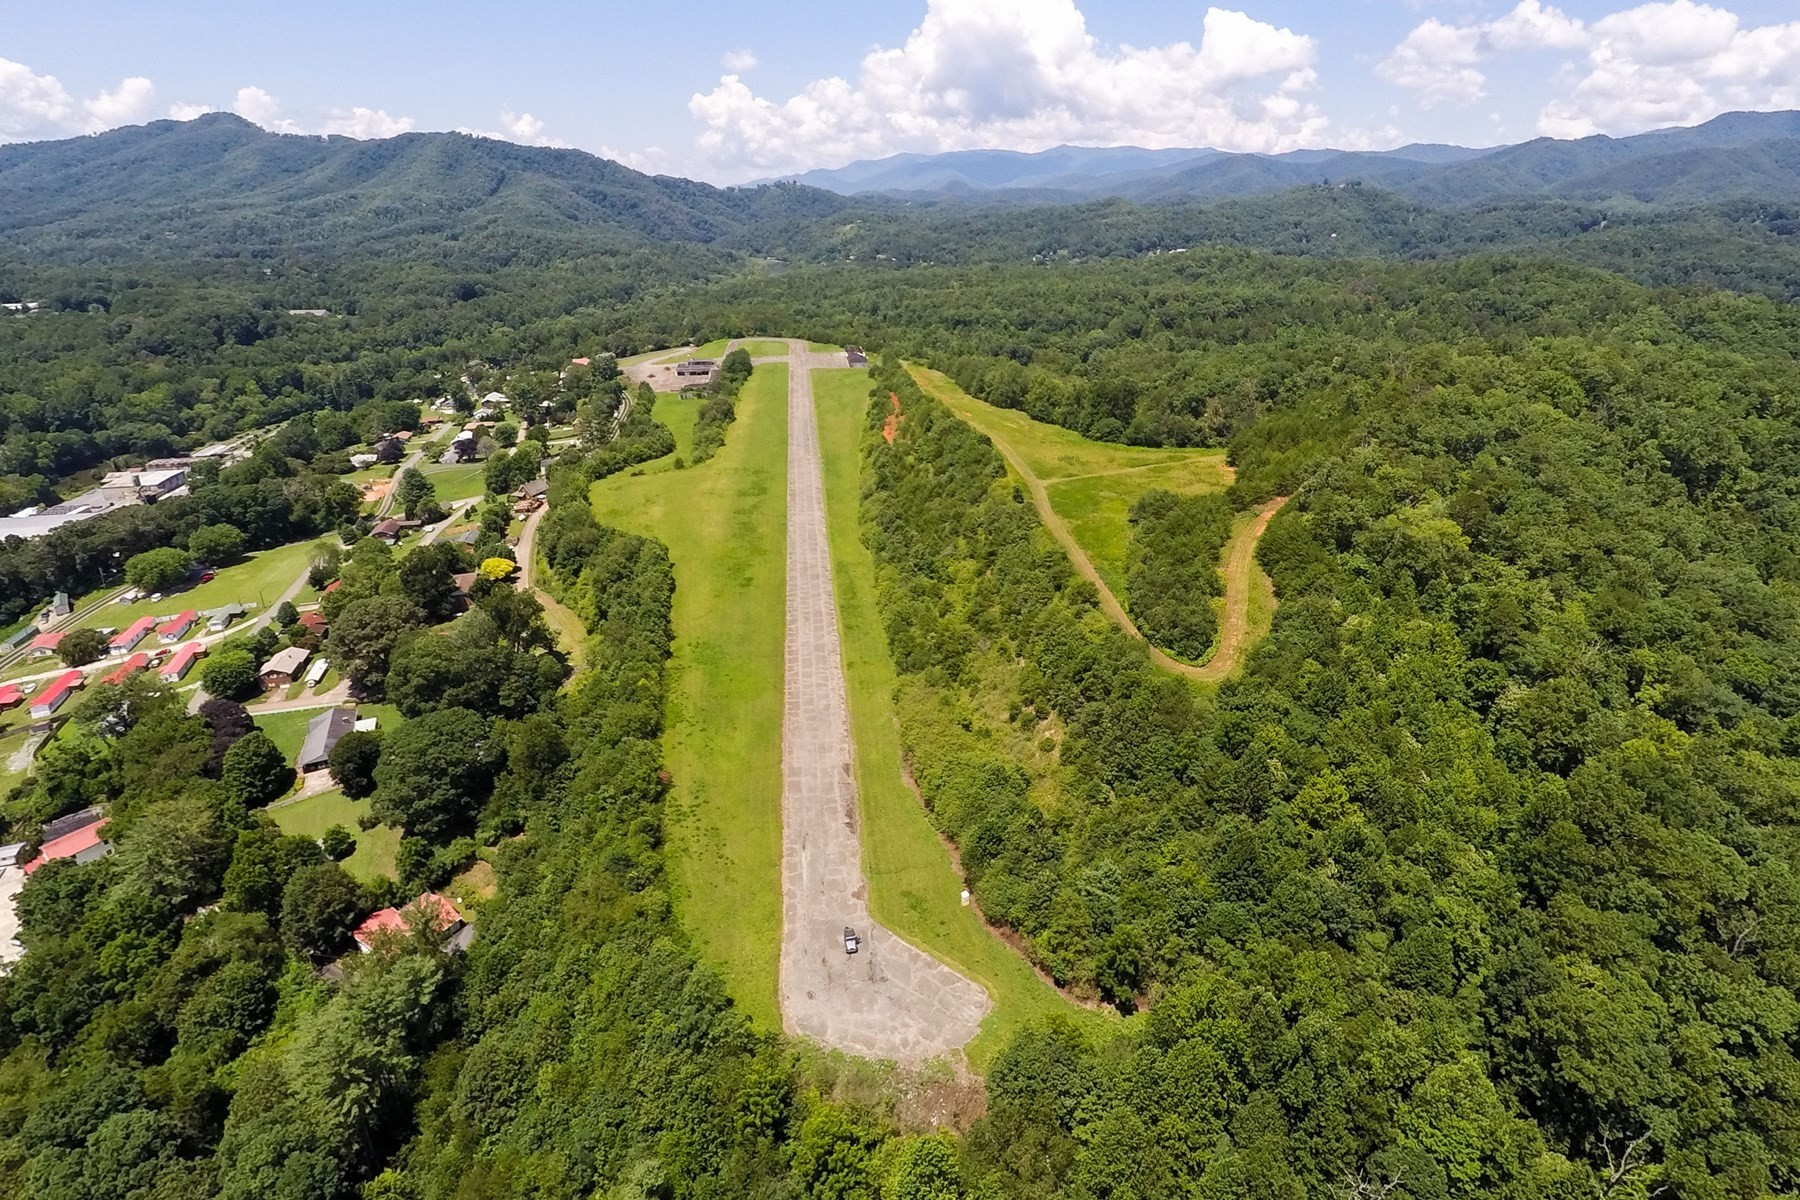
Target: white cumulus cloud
181,110
1439,60
1671,62
360,122
522,128
34,106
1026,74
739,61
259,107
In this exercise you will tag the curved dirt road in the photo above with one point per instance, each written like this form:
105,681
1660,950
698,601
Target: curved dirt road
890,999
1239,567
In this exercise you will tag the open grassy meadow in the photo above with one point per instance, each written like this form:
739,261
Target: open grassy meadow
258,580
913,889
311,817
1091,485
725,523
456,481
763,347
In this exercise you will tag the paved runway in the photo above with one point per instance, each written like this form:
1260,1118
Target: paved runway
890,1000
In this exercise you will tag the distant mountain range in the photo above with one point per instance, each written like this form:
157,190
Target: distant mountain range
1735,155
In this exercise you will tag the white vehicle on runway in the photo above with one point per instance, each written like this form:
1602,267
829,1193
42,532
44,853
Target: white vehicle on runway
851,941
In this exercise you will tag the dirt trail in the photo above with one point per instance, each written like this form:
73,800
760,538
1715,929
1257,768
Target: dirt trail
1239,568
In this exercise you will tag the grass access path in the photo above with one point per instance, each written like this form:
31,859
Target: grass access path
1084,490
913,889
725,523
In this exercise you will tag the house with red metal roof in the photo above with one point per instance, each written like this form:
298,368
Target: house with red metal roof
176,628
10,695
180,661
76,836
128,668
315,622
126,640
52,697
428,907
45,644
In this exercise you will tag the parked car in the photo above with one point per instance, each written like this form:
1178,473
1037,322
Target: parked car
208,576
851,942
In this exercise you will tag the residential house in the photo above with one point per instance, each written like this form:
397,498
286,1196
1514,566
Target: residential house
181,661
52,697
126,640
323,733
220,619
280,670
532,489
392,529
176,627
363,461
75,836
45,644
315,623
125,670
430,907
10,694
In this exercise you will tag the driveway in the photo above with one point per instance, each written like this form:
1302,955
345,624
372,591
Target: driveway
890,1000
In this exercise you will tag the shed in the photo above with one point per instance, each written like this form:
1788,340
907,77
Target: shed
322,733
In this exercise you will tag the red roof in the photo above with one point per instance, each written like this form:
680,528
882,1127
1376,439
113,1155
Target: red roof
178,662
331,587
134,633
389,919
67,846
580,362
314,621
128,668
59,688
47,641
174,627
10,695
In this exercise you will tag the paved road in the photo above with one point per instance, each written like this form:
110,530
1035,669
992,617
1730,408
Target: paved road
890,1000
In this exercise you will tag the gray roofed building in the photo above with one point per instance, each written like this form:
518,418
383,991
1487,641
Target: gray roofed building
322,733
221,618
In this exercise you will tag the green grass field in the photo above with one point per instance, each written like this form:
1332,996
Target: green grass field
677,413
311,817
764,348
456,481
823,348
258,580
725,524
1091,485
913,889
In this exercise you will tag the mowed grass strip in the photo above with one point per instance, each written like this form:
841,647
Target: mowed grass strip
1092,485
311,817
913,889
763,347
456,481
725,523
258,579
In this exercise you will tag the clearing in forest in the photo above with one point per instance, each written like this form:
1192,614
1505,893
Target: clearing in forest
761,347
914,889
1084,490
725,525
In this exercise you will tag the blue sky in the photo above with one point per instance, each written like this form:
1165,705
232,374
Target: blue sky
699,88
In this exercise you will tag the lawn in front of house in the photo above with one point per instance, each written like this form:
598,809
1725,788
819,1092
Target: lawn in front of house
456,481
311,817
725,523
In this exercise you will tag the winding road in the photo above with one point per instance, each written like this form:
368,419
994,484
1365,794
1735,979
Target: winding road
1238,567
